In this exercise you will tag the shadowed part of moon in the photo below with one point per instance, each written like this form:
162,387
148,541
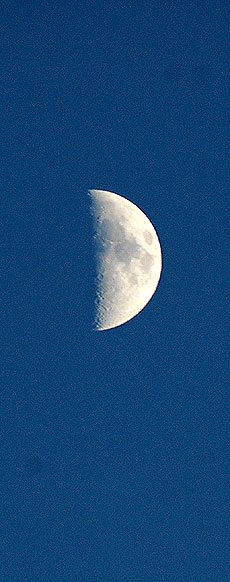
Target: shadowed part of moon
33,465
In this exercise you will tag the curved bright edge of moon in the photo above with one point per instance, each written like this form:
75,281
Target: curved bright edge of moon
129,259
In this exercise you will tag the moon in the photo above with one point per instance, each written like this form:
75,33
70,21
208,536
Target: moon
128,259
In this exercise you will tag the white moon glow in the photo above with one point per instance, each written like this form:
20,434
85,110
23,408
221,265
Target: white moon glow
129,259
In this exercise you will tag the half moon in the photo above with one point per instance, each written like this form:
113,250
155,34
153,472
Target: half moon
129,259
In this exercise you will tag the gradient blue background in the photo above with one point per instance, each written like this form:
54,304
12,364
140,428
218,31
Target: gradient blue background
114,445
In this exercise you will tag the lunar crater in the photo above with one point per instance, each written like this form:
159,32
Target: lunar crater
148,237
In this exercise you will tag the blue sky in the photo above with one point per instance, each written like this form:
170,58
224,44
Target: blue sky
114,445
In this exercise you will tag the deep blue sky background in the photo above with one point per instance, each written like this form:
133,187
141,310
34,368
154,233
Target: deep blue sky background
114,445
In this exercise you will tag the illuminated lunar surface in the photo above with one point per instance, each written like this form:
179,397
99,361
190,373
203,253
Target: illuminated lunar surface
129,259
